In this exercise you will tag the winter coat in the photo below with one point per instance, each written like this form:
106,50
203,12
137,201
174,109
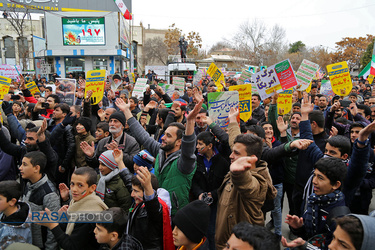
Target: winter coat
80,157
16,231
145,223
241,197
40,195
116,194
128,145
204,181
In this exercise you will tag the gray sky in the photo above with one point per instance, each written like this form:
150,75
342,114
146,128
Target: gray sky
314,22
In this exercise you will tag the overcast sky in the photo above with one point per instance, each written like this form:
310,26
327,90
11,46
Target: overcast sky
314,22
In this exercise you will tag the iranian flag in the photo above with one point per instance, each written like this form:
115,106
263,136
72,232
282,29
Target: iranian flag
120,4
370,67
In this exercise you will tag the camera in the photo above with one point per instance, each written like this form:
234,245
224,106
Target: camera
45,105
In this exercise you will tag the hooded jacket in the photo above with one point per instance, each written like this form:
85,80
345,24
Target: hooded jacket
368,225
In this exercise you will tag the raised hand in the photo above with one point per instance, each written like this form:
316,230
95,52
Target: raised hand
207,120
281,125
64,191
123,106
197,95
294,221
112,146
144,176
306,106
118,155
193,114
333,132
233,113
41,131
243,163
87,149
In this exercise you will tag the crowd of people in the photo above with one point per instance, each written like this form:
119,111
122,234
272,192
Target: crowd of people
174,179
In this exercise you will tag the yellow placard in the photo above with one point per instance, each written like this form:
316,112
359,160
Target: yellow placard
32,87
216,75
4,86
284,102
340,78
370,78
244,92
308,88
95,81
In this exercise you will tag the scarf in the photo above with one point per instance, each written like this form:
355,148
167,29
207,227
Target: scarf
89,203
100,188
314,204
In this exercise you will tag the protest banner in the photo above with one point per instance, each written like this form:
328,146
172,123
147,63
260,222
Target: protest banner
217,76
197,79
168,88
32,87
65,89
219,105
267,82
370,78
4,86
10,71
284,102
139,87
308,88
246,74
131,78
95,81
326,89
340,78
244,94
305,74
285,73
179,85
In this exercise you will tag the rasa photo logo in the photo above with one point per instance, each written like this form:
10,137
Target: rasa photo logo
76,217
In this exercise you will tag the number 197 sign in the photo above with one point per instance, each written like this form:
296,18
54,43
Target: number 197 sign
83,31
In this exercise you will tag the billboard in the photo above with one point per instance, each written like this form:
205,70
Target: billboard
83,31
39,6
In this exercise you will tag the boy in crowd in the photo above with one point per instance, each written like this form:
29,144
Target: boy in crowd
102,131
111,235
40,193
191,223
145,221
111,189
83,126
12,214
246,236
329,175
79,235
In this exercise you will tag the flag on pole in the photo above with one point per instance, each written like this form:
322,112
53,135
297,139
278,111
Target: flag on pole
370,67
120,4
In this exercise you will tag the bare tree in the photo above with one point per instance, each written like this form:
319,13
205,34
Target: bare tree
262,46
155,50
18,21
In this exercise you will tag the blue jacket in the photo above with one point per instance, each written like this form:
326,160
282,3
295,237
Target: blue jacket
357,165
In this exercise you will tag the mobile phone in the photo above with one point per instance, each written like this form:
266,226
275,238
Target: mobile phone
45,105
152,86
345,104
15,97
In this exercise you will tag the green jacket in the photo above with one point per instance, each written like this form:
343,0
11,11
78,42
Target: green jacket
173,180
116,194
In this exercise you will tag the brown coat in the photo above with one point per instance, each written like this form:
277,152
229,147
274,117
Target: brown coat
241,197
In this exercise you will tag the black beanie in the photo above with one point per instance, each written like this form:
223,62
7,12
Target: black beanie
119,116
193,220
86,122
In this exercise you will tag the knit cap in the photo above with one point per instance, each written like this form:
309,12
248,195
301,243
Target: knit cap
118,116
144,159
107,159
86,122
193,220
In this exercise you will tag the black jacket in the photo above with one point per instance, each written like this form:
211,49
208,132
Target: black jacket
145,223
82,237
211,181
